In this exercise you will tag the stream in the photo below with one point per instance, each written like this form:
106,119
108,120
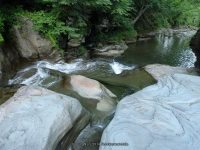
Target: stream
123,76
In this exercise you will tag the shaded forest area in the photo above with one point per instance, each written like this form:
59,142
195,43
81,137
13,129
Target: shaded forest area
91,21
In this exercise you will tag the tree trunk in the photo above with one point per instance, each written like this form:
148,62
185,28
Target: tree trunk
141,12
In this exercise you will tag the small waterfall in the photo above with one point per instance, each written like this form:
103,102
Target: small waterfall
38,73
119,68
32,75
187,58
67,68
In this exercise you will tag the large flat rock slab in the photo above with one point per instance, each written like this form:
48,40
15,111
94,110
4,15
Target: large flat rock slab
162,116
159,70
36,119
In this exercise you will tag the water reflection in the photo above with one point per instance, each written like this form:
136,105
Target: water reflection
172,49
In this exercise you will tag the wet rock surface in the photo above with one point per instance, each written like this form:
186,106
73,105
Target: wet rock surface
135,79
36,118
88,139
92,94
162,115
195,45
81,122
111,50
7,92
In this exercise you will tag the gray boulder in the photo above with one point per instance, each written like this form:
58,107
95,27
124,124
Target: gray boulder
92,89
162,116
111,50
30,44
78,86
36,119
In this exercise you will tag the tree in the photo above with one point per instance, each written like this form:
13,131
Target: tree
165,13
63,20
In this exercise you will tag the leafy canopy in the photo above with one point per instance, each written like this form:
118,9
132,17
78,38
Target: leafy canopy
100,18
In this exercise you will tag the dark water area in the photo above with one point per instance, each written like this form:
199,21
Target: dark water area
170,49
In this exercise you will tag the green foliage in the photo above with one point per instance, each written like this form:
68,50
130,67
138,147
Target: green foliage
167,13
117,36
48,24
122,7
1,22
7,19
82,50
86,18
1,39
189,14
116,12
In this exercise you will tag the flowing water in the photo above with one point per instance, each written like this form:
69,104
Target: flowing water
123,75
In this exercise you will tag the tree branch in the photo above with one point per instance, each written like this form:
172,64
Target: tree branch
141,12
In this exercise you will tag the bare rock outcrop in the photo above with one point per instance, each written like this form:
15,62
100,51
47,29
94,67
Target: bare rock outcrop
29,43
36,119
162,116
